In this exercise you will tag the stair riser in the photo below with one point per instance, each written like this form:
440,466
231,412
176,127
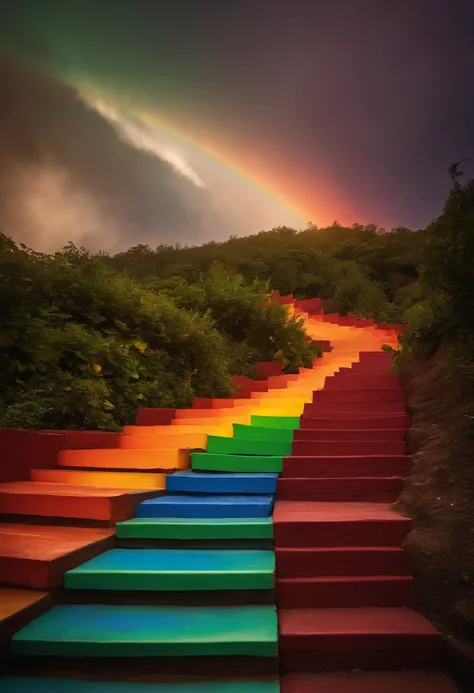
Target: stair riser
369,654
342,490
177,484
319,563
339,467
331,421
199,511
86,508
349,381
304,594
366,396
315,534
349,436
308,448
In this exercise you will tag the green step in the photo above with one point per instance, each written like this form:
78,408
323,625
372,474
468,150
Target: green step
175,570
280,435
288,423
241,446
105,630
13,684
198,529
236,463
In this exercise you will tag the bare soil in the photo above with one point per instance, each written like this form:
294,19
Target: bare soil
439,494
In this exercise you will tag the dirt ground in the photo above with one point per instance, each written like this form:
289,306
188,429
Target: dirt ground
439,494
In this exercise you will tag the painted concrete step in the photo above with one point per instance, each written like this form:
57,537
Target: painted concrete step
367,682
204,529
357,381
367,422
207,482
358,408
125,459
175,570
344,591
345,489
246,432
81,630
241,446
12,684
353,395
163,441
205,506
38,556
236,463
343,560
308,524
32,498
351,435
345,466
335,448
369,638
109,479
288,423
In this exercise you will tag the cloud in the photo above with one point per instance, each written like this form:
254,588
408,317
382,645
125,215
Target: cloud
65,174
87,173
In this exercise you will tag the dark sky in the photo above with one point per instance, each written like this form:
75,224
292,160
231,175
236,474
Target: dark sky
353,109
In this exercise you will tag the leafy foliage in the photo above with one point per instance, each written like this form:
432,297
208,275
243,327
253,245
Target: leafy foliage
84,346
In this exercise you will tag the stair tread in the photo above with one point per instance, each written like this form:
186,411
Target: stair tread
196,528
309,511
149,631
179,561
236,463
254,483
355,621
196,505
59,489
347,578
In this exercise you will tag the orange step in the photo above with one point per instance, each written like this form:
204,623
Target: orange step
33,498
17,608
38,556
163,441
125,459
131,481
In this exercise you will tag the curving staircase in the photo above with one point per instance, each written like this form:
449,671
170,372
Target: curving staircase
194,578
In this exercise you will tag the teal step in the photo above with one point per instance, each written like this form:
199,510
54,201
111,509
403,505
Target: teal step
241,446
13,684
175,570
280,435
201,505
204,529
98,630
219,462
288,423
207,482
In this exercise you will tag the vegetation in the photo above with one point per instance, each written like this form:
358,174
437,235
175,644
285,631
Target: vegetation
87,340
83,346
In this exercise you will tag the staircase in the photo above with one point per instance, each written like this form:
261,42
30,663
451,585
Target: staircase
344,589
182,595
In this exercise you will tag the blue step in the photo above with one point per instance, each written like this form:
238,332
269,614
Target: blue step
123,630
13,684
205,506
198,482
175,570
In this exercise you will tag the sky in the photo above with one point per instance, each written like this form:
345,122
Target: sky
186,121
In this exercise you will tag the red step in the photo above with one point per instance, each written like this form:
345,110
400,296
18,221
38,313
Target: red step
339,447
340,560
353,395
34,498
300,523
349,436
369,682
344,591
314,409
372,489
331,467
37,556
331,421
359,381
368,638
